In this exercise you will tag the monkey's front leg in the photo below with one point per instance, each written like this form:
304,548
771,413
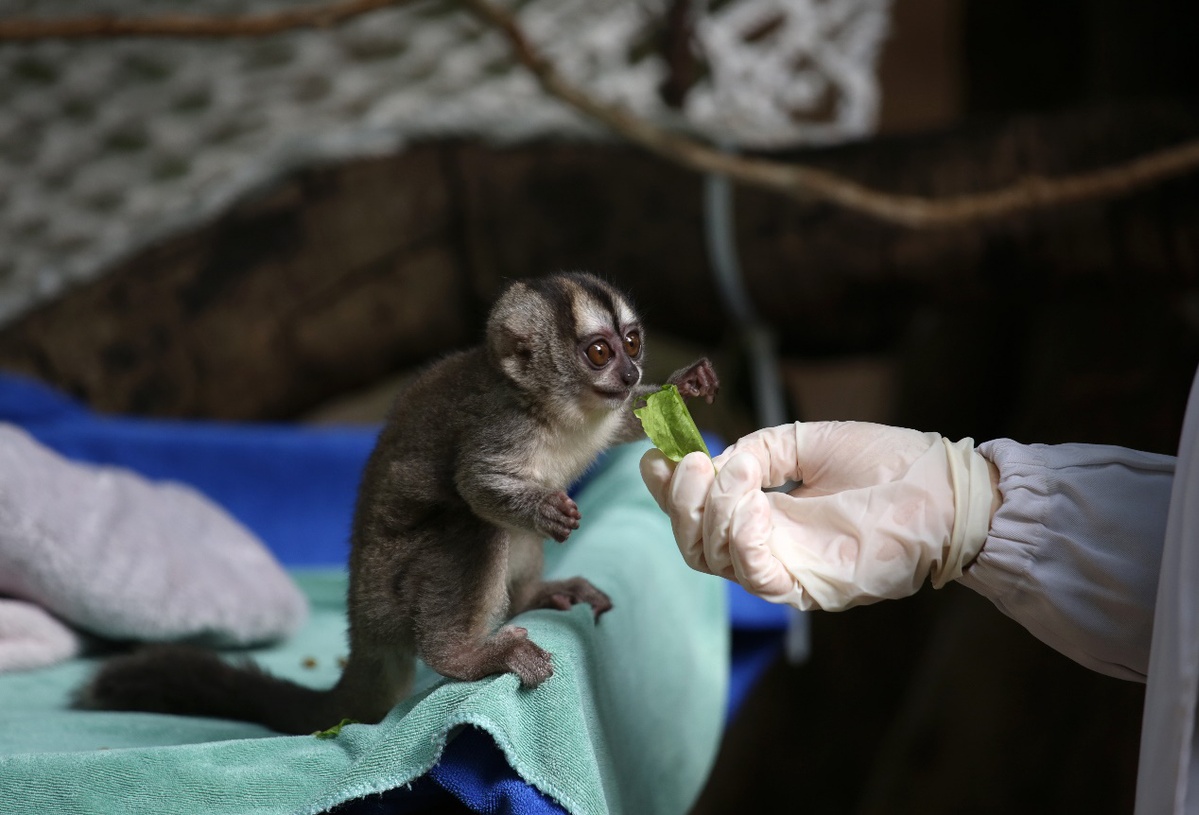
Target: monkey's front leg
515,503
557,515
697,379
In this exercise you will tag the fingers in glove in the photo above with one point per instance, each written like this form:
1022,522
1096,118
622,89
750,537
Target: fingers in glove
740,476
686,500
657,471
755,566
775,450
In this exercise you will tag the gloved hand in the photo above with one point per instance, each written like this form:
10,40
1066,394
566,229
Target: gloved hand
879,510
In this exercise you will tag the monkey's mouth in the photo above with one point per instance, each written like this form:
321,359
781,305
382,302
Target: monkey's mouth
617,394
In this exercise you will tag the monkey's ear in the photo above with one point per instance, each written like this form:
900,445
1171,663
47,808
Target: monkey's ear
506,342
513,328
511,351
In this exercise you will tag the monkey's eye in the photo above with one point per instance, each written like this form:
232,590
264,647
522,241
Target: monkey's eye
632,343
599,353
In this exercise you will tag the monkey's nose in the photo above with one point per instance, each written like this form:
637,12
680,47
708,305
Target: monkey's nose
629,377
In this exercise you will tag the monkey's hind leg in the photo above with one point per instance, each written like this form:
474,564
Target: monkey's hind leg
527,590
508,650
377,676
461,605
560,595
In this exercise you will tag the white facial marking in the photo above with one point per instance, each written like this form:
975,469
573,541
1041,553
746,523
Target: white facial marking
624,313
590,317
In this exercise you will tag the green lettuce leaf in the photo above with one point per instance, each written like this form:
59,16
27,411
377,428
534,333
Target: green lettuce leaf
669,425
333,731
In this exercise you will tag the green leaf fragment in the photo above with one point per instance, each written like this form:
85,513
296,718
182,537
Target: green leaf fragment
669,425
332,732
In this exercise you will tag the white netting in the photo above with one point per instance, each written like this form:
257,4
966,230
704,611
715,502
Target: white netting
106,145
790,71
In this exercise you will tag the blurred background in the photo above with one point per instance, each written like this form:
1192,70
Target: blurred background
281,228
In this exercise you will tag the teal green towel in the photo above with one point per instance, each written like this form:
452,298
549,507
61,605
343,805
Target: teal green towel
629,722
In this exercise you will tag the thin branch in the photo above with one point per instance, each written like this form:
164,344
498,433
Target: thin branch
798,181
251,25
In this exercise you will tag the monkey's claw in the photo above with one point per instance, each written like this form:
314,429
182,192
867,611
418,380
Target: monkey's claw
561,595
697,380
523,657
557,516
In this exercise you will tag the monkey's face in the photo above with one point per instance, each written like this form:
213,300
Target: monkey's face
570,339
611,363
608,350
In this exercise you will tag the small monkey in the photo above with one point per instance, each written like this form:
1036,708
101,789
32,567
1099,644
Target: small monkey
467,478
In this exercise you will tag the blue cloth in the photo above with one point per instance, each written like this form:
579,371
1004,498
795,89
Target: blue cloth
295,487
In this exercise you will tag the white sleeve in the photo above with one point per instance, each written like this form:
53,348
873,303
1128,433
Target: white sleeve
1075,548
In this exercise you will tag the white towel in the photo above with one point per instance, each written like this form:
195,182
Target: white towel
111,553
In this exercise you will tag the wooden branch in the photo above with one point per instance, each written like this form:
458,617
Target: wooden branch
798,181
252,25
795,180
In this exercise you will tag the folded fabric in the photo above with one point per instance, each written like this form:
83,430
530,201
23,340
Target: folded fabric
116,555
31,637
629,722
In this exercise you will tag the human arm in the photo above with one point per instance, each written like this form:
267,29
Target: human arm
1072,554
878,511
1075,548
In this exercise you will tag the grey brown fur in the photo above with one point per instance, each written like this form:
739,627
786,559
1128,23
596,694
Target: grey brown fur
467,478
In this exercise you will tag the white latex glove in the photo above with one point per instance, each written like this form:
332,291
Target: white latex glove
879,511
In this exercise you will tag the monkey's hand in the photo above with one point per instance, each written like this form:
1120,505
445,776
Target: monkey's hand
697,379
557,516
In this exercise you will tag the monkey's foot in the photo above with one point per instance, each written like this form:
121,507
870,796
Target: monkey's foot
523,657
697,380
557,516
562,594
508,650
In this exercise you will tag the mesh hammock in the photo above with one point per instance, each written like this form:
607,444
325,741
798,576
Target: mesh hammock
108,145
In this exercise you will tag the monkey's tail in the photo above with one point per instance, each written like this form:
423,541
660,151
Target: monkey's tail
191,681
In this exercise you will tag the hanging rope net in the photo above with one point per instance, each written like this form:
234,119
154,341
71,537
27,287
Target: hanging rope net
107,145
